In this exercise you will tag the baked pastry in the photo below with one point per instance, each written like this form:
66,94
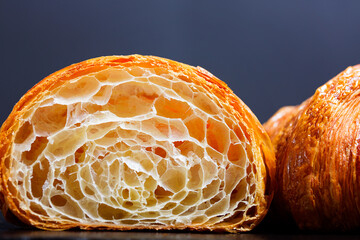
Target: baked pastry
317,156
135,142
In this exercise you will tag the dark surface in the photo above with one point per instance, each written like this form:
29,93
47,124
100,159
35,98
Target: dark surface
259,233
271,53
21,234
268,229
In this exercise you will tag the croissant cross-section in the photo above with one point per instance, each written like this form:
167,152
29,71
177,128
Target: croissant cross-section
135,142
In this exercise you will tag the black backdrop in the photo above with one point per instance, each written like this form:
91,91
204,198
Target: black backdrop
271,53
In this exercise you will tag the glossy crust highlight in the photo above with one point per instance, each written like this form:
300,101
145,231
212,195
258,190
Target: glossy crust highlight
317,151
102,88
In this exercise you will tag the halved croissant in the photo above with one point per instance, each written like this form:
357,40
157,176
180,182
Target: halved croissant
317,155
135,142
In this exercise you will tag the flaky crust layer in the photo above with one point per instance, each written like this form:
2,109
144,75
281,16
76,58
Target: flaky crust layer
317,156
262,147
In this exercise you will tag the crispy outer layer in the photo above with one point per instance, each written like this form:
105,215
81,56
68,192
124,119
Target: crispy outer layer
317,151
255,132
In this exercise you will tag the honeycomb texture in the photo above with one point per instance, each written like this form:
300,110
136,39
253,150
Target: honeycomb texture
135,147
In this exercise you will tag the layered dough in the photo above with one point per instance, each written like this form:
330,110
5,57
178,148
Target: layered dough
317,156
134,142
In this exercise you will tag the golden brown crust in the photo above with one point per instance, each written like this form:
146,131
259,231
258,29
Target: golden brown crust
317,152
256,134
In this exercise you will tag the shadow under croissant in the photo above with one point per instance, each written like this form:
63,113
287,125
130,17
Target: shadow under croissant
265,230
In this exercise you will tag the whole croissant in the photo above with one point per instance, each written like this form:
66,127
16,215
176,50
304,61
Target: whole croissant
135,142
317,148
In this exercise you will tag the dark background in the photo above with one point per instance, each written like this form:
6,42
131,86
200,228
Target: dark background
271,53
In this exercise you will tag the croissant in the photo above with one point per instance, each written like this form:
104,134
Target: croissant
317,156
135,142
